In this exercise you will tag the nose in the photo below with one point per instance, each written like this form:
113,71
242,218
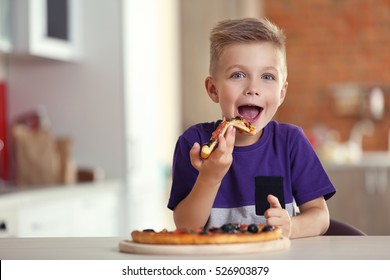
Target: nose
252,92
252,88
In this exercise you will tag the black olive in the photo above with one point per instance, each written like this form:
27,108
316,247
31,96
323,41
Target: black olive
253,228
268,228
228,228
148,230
225,227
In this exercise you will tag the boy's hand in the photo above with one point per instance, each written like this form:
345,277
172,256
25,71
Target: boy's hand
277,216
217,165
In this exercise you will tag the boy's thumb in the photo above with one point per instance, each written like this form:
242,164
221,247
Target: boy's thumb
273,201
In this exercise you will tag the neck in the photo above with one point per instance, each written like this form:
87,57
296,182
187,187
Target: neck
243,139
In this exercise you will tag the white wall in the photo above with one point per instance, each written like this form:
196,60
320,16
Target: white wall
151,61
84,99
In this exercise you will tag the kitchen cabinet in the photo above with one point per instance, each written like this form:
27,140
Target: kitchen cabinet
362,198
50,29
79,210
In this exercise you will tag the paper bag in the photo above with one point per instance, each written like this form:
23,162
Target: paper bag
40,159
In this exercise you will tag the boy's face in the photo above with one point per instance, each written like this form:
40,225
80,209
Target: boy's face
249,82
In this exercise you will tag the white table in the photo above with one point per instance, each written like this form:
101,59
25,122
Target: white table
106,248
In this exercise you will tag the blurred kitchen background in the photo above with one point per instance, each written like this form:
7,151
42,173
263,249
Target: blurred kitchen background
94,93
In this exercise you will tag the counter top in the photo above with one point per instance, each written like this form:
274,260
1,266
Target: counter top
29,191
380,159
106,248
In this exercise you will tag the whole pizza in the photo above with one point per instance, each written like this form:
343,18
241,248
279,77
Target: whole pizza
226,234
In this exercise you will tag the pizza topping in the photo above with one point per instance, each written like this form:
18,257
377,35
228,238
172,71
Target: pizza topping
268,228
214,229
253,228
219,129
230,228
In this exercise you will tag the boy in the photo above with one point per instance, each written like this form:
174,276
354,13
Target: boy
248,78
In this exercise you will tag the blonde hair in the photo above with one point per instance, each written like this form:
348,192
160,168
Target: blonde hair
245,30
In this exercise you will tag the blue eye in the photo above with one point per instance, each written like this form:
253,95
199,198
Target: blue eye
237,75
268,77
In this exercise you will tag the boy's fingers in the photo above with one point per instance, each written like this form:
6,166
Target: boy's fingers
194,154
230,138
195,148
226,142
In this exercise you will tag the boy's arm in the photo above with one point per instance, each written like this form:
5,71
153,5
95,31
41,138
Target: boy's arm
313,219
194,210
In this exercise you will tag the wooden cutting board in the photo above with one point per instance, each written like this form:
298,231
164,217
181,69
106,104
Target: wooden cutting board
128,246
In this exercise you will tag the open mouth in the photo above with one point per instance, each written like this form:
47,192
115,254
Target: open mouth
250,112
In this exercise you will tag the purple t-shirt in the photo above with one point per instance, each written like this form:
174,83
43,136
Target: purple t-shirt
283,151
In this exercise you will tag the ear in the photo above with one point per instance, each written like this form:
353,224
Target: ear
283,92
211,89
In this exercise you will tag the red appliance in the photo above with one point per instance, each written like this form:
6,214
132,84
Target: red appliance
4,172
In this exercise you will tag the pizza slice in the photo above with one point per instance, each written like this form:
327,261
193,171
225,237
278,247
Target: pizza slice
239,123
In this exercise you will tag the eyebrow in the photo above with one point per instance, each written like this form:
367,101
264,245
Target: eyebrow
267,68
271,68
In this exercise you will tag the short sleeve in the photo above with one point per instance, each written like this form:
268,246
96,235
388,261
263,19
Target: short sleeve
309,178
183,173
